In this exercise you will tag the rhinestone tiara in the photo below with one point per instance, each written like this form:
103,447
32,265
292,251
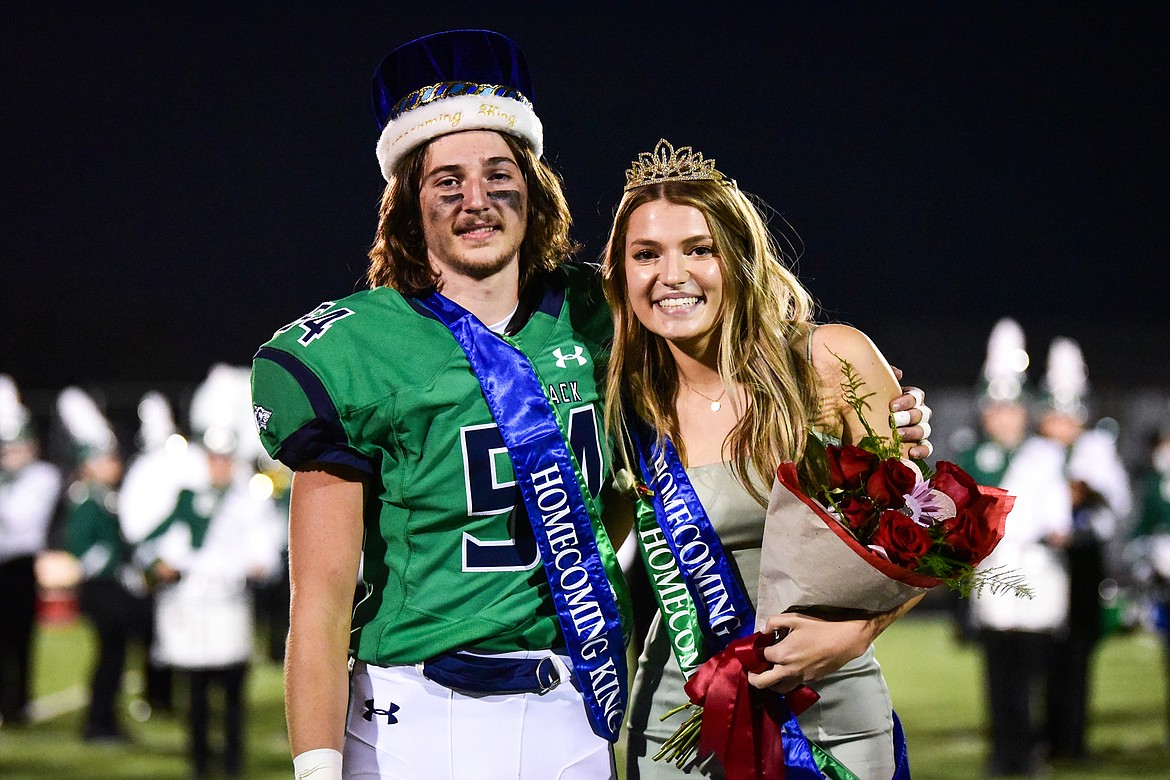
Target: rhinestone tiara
666,163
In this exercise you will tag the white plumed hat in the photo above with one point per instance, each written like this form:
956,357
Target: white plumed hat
221,412
1066,381
88,429
15,421
1005,367
156,421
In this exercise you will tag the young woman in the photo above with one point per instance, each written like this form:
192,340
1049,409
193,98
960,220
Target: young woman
715,349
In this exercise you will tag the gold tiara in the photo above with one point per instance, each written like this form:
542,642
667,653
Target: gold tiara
666,163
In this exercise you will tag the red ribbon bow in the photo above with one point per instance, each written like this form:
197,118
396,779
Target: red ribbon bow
741,723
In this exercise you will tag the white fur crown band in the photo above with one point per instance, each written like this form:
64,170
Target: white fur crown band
475,107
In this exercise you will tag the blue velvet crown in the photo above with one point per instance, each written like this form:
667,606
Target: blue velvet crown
448,82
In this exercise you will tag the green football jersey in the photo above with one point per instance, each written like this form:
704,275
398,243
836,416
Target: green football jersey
375,382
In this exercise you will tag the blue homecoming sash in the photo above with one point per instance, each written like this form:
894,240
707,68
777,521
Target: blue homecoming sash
725,612
559,510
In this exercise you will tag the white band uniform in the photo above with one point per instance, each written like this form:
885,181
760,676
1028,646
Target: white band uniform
403,726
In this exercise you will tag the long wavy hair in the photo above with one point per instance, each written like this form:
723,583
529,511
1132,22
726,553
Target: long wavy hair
764,308
398,257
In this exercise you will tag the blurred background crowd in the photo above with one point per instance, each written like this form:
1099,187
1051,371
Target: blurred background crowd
169,539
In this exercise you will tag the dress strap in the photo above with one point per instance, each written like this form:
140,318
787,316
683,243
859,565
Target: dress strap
808,348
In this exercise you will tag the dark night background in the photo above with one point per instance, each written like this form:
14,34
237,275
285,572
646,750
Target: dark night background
181,180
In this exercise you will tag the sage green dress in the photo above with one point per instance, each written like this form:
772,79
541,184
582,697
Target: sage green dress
852,720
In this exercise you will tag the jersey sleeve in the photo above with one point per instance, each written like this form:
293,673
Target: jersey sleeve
297,419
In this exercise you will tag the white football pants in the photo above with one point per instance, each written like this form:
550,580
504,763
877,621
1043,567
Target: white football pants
402,726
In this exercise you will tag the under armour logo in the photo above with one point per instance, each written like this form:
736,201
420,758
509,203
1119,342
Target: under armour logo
371,712
578,355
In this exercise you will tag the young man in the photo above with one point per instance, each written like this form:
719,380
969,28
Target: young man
465,469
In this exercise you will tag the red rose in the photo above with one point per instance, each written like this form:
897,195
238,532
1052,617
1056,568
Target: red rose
975,532
904,541
858,515
849,466
889,484
956,483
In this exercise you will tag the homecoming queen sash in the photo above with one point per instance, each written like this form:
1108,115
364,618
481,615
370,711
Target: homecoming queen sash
680,525
699,595
587,587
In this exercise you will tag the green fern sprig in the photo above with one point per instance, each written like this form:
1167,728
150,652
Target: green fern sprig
967,580
851,387
999,579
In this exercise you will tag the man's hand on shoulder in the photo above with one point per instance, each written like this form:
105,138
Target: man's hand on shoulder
912,419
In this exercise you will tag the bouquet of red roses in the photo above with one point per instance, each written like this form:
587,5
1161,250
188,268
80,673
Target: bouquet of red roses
857,528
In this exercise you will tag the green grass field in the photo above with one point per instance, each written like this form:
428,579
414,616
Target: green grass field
936,684
937,688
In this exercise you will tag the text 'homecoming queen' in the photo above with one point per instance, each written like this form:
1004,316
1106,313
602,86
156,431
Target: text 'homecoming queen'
693,554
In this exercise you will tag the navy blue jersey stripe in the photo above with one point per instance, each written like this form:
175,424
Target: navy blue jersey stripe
553,298
314,389
323,439
420,309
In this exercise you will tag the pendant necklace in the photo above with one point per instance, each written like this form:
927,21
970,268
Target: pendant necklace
715,405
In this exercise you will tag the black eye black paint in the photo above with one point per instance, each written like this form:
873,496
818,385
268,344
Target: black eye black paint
507,198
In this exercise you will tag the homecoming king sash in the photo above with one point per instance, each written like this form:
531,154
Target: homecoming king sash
587,587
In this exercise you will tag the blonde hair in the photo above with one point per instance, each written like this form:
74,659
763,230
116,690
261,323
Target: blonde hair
398,257
764,308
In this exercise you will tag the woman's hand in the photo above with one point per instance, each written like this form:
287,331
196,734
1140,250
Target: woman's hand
810,648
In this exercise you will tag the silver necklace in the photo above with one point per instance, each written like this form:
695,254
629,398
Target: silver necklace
715,405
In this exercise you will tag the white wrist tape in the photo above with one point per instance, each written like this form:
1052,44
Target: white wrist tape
319,764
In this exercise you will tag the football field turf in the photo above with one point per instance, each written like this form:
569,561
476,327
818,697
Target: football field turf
935,682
